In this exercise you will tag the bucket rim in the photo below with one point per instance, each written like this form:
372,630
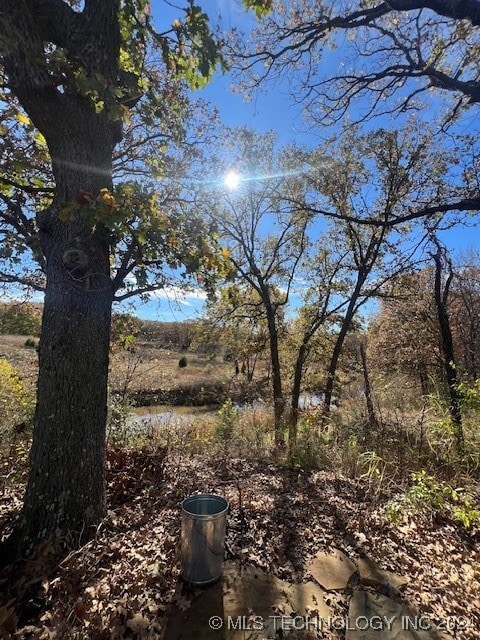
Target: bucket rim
205,496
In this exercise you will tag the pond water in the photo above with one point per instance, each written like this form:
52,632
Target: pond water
168,414
165,414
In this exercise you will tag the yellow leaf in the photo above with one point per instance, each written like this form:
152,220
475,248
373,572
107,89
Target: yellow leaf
22,118
40,139
106,198
173,242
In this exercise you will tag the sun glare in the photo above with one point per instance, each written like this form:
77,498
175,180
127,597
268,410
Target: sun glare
231,180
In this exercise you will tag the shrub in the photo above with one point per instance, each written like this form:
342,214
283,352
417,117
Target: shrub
227,416
30,343
307,452
434,498
183,362
16,402
118,430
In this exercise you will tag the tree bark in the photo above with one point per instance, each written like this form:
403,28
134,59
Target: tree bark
65,493
337,349
365,260
441,298
332,367
278,399
296,389
367,387
455,9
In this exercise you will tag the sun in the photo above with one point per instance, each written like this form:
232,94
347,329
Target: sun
231,180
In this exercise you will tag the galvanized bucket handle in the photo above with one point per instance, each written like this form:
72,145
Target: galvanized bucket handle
202,535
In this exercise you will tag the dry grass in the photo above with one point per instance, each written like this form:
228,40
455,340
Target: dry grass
147,367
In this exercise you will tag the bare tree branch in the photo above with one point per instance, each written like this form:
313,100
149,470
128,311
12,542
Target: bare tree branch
393,42
27,188
34,283
456,9
466,204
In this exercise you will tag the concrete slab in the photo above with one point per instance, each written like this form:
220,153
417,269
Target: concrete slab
372,574
376,617
332,571
266,604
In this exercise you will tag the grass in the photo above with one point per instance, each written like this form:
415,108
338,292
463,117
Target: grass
145,368
406,439
150,367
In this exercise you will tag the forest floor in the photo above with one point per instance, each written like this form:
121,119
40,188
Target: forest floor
125,582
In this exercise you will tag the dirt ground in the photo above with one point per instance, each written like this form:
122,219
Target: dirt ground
124,583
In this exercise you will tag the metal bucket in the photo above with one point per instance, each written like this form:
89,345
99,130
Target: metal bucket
204,519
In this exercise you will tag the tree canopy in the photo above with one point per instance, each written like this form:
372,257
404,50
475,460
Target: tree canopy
393,54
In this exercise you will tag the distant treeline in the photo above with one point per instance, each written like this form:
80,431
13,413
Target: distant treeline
168,335
20,318
24,318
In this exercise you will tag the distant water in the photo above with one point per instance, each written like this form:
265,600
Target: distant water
164,414
168,414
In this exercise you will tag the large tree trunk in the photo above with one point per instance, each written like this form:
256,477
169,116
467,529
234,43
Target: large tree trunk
65,491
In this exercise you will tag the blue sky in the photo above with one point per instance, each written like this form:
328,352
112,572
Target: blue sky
269,109
272,108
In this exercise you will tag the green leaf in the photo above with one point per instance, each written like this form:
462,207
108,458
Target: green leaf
141,238
99,106
261,7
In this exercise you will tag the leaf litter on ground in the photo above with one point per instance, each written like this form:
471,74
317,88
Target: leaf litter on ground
123,582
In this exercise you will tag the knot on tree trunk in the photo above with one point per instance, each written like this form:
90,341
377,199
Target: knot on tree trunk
75,259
